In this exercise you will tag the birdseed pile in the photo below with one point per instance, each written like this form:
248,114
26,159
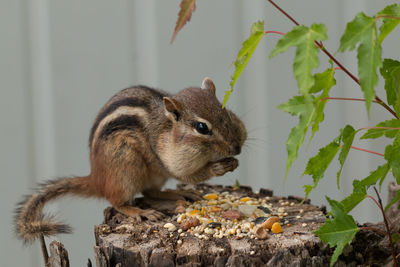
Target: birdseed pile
226,214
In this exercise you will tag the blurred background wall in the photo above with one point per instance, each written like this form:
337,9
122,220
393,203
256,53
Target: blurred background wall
62,60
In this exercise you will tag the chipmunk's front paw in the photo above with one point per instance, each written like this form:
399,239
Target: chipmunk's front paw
223,166
152,215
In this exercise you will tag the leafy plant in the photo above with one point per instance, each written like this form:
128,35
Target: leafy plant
365,34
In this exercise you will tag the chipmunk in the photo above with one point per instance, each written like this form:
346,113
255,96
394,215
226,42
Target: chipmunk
139,139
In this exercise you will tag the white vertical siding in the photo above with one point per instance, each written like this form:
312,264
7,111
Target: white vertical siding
61,60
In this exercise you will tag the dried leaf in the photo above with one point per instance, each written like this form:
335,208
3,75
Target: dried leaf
187,8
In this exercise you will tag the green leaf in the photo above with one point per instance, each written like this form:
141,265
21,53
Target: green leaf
244,55
347,137
390,133
318,164
360,187
394,200
356,31
323,81
359,194
304,109
392,155
362,29
338,231
295,106
395,238
306,58
187,8
390,71
369,60
389,21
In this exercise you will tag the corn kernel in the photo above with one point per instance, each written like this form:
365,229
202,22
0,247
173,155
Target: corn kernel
194,212
210,196
276,228
244,199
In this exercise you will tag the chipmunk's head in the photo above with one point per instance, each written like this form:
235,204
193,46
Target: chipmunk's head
202,131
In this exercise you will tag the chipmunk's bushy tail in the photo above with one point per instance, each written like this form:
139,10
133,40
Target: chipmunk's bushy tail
29,220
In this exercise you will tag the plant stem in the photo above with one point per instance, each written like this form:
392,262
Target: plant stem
366,150
44,250
387,228
321,46
283,12
345,98
387,17
281,33
380,127
373,229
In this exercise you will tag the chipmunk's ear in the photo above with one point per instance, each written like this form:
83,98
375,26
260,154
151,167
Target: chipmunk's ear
172,108
208,84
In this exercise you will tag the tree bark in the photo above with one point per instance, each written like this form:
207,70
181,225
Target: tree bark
119,242
58,255
122,242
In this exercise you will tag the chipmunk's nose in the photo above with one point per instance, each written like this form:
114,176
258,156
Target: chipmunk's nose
236,148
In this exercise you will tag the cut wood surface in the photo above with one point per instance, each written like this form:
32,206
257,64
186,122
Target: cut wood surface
122,242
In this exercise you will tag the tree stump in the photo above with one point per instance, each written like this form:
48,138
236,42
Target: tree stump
121,242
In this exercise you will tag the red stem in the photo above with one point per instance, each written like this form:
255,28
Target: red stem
387,16
385,219
345,98
366,150
281,33
320,45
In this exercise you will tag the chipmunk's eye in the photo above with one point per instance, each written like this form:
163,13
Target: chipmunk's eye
201,128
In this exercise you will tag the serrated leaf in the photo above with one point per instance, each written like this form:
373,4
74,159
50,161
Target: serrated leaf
359,194
185,13
392,155
369,60
360,187
390,71
244,55
390,19
304,109
394,200
323,81
347,137
338,231
306,58
362,29
294,106
318,164
390,133
378,175
356,31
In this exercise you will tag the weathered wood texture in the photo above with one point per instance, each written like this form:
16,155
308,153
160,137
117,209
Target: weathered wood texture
58,255
119,242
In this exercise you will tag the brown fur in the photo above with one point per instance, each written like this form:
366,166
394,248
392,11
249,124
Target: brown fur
140,138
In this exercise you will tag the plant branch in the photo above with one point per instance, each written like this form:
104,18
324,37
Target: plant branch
346,98
366,150
373,229
320,45
385,219
277,32
380,127
387,16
